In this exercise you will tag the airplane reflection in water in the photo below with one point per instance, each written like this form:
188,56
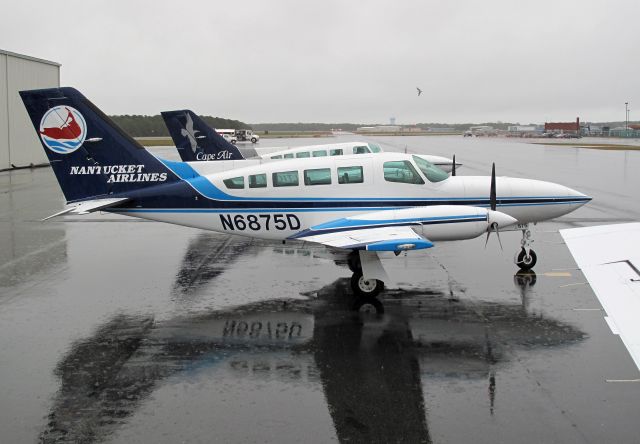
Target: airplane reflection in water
372,369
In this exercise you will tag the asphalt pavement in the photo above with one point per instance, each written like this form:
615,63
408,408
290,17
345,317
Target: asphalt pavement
121,330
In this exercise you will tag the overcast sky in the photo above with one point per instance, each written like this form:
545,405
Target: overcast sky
342,61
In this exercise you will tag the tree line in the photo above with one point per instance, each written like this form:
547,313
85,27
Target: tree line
153,126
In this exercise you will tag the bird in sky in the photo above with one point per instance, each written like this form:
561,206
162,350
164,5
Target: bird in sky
419,91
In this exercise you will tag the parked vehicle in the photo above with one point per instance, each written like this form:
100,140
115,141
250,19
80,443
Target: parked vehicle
246,135
228,134
229,138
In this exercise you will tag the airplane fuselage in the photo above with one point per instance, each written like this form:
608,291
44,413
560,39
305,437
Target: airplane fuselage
277,199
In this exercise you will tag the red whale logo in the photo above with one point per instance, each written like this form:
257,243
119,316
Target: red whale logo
68,130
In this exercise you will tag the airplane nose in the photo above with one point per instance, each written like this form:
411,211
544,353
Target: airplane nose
581,198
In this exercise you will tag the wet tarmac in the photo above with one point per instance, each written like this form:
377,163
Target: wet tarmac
119,330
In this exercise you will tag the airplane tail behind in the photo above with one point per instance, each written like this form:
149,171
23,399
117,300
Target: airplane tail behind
90,155
197,141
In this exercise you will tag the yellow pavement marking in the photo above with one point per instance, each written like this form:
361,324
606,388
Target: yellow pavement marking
573,285
557,274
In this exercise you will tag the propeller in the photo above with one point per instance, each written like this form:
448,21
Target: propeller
453,170
492,193
493,227
492,205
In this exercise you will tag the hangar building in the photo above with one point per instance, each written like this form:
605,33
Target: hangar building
19,145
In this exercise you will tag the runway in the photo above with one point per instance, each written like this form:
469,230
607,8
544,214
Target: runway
119,330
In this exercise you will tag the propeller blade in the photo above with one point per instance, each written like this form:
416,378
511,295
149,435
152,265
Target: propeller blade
453,170
492,195
495,226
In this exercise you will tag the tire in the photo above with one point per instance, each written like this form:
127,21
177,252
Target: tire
254,140
365,288
526,262
368,305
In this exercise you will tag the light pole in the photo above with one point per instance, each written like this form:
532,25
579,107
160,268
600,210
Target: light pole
626,117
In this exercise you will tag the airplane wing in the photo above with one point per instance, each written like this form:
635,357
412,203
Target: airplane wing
89,206
395,239
609,257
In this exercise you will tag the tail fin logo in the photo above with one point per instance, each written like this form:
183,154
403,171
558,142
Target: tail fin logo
63,129
190,133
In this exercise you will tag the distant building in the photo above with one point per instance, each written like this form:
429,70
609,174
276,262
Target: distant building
441,130
481,130
587,129
379,129
562,127
392,120
411,129
19,144
521,128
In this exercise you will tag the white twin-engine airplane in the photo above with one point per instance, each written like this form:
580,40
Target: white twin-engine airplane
197,141
359,204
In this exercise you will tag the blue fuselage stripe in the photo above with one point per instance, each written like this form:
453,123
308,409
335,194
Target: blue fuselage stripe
328,208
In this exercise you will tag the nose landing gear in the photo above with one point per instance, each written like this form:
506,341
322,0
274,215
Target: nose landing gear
526,258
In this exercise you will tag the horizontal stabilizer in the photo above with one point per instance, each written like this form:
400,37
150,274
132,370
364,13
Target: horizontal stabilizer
89,206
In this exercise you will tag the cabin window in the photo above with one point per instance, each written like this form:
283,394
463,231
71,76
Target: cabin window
336,152
360,150
432,172
320,176
258,181
303,154
277,157
319,153
401,171
235,183
375,148
288,156
352,174
285,179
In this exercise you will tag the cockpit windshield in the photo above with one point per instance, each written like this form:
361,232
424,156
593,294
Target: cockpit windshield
375,148
432,172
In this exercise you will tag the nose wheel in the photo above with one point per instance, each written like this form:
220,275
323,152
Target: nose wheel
526,258
526,261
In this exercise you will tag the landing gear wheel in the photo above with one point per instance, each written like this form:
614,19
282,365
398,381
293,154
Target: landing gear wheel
353,261
368,305
526,262
368,288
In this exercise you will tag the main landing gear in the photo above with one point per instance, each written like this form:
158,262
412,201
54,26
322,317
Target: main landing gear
526,258
364,290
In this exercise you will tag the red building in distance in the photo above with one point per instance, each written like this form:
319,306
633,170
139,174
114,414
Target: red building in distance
562,127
